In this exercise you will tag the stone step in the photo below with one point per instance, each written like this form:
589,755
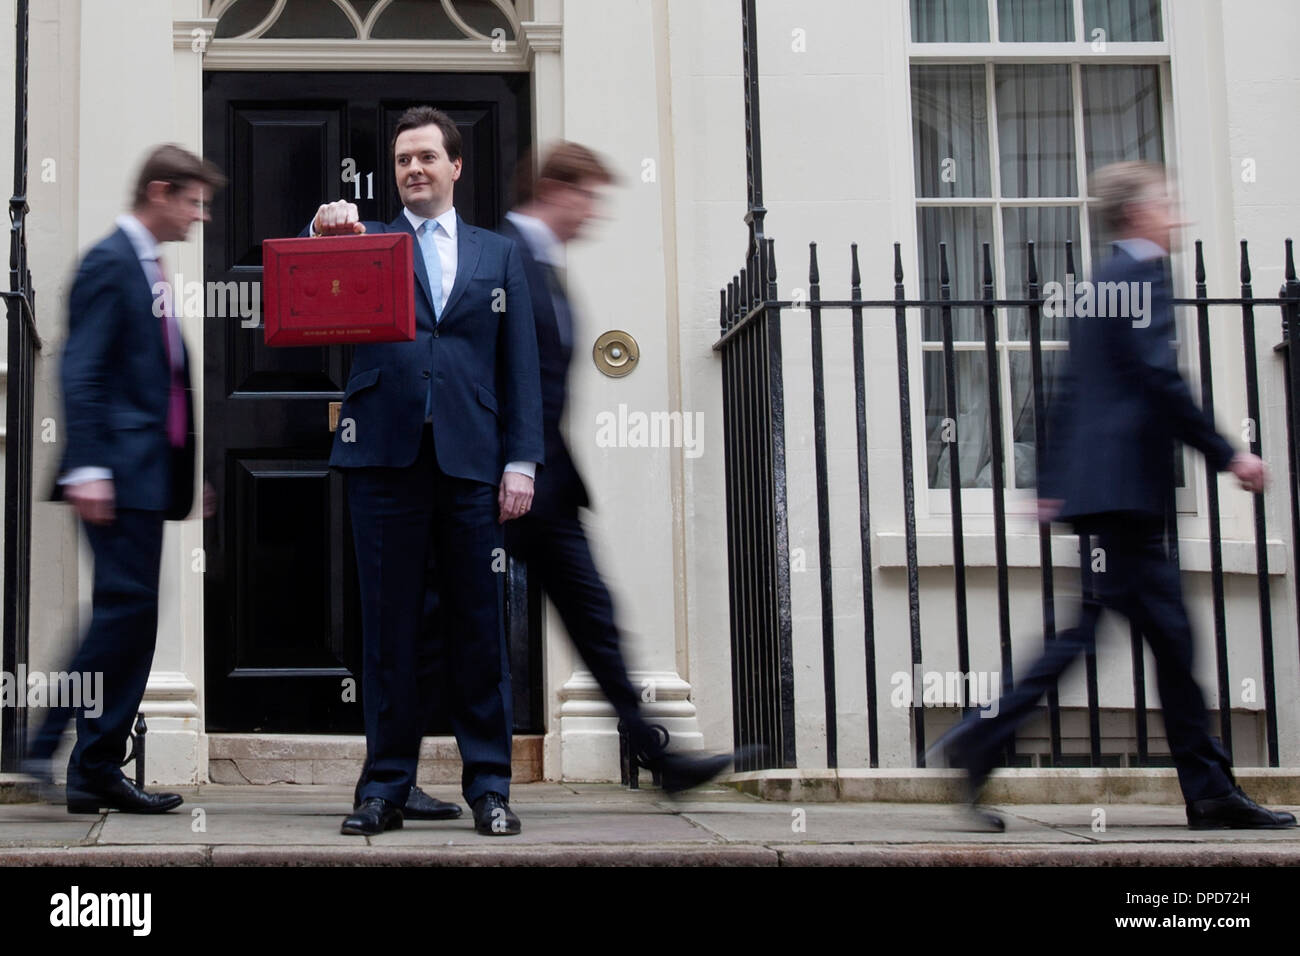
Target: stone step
337,759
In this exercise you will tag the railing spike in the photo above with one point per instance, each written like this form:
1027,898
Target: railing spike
943,264
1245,263
988,270
898,264
855,274
1200,263
1033,262
1069,258
814,273
1290,263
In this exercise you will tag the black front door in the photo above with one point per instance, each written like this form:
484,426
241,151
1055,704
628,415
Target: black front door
282,628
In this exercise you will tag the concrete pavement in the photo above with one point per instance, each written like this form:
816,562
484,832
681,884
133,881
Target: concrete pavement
604,824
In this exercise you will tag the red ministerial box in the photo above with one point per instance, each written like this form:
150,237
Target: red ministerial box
338,290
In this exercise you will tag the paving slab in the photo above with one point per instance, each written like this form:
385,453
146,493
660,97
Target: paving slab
1128,823
567,824
881,823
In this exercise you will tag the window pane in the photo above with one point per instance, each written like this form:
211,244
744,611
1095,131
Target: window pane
950,139
242,16
1022,408
965,231
1048,228
312,18
967,430
950,21
1121,114
1036,131
422,20
1035,21
1123,21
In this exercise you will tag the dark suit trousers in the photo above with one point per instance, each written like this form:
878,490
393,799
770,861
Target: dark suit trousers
398,514
119,644
555,548
1141,583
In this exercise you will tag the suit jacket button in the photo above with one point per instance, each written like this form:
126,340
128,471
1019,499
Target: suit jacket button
424,374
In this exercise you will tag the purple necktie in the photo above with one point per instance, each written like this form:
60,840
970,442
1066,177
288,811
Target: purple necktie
177,425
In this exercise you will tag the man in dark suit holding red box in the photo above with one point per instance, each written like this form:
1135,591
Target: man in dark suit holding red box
439,439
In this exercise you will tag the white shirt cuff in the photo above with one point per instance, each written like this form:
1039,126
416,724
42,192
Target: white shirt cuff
528,468
79,476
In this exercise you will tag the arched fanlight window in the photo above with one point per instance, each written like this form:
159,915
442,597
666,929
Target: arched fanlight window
365,19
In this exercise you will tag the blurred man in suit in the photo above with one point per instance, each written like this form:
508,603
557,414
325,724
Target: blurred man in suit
129,462
442,439
1109,470
550,538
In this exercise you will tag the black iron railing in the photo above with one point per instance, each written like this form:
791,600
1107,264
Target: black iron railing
24,344
755,425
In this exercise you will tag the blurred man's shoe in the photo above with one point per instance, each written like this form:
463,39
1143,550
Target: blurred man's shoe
1235,811
375,815
953,747
678,772
121,795
682,771
40,769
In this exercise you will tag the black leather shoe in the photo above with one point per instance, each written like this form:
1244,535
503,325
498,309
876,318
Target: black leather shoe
681,771
375,815
421,806
493,816
123,795
1235,811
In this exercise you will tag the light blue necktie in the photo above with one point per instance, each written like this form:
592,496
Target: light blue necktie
432,264
433,267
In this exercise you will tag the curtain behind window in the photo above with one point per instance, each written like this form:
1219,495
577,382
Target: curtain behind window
1035,21
950,21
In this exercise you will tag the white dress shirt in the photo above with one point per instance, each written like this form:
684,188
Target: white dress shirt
444,240
542,241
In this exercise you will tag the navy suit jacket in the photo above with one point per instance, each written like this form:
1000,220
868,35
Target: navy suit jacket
481,359
1121,405
559,486
116,380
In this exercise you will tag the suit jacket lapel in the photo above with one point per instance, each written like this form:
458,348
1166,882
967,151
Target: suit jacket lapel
402,224
467,252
